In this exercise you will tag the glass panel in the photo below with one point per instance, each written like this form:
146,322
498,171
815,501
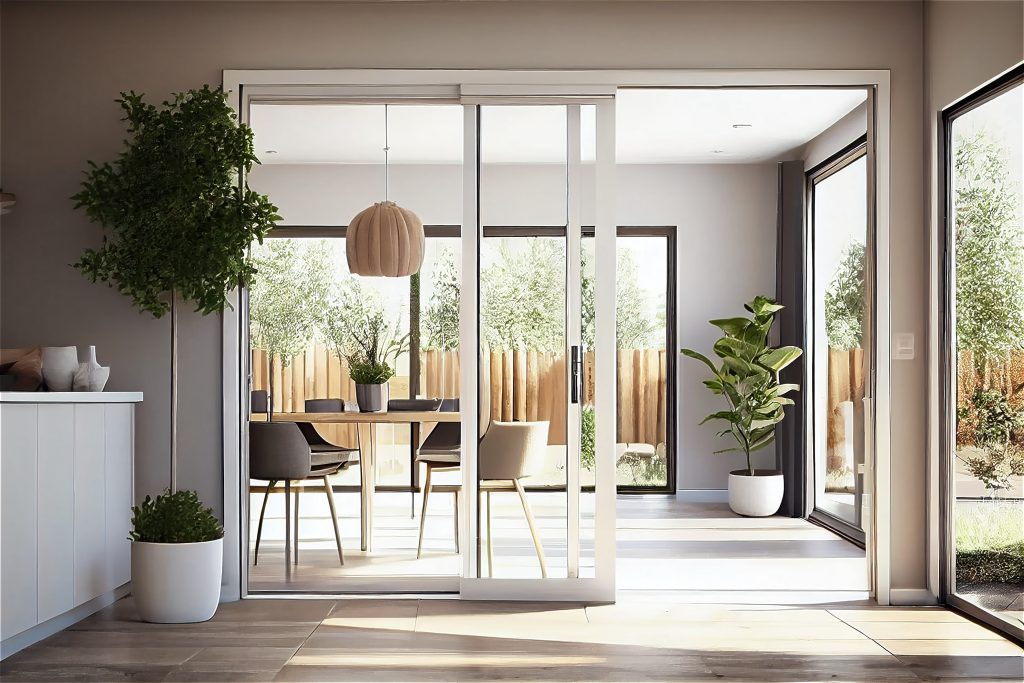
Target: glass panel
523,180
642,372
988,254
841,307
327,165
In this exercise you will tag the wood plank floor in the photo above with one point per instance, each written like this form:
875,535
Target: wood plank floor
448,640
704,596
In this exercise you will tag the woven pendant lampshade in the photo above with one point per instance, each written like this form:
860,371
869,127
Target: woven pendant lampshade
385,240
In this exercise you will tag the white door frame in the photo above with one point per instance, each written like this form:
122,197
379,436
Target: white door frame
445,84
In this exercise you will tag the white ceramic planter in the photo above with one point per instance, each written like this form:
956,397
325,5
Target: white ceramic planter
755,496
177,583
59,365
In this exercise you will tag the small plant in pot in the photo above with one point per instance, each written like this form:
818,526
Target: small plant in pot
357,332
748,378
178,546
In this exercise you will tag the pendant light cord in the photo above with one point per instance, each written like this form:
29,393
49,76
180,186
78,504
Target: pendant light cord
386,150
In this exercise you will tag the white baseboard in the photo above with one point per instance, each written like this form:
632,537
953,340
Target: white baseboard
911,596
60,622
703,495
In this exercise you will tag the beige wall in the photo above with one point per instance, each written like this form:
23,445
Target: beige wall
966,45
62,64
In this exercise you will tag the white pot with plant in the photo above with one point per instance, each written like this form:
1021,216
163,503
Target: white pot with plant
357,331
748,378
177,551
180,226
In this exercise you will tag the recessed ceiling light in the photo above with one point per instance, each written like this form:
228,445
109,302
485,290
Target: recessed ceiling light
742,125
718,151
271,151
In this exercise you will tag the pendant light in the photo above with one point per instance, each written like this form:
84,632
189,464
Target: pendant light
385,240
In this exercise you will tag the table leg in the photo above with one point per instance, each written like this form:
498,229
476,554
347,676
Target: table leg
368,480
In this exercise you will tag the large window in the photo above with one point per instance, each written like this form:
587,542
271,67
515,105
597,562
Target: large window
840,305
984,454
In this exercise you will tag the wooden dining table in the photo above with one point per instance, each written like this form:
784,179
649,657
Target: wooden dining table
366,422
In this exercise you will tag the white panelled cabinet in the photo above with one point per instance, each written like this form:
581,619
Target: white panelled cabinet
66,477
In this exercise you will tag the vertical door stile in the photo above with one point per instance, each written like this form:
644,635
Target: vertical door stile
469,343
574,336
604,340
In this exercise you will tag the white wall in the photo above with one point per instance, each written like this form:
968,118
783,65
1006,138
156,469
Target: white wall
61,65
713,206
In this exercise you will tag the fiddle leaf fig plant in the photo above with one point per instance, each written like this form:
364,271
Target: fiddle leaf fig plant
748,378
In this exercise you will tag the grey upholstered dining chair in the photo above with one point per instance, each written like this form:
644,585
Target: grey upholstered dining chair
441,450
279,452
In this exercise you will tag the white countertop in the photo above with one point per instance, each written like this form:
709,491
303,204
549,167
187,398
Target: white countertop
70,396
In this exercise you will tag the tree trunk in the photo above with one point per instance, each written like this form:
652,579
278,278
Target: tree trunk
414,335
174,392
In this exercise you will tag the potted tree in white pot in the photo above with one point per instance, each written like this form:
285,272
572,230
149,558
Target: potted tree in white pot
181,220
748,378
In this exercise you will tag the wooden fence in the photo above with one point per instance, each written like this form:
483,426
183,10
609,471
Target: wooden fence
524,385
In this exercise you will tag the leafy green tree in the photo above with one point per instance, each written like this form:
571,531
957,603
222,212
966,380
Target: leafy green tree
634,329
180,217
523,302
442,317
989,252
287,298
844,300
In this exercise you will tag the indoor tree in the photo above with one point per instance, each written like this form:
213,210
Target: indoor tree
178,215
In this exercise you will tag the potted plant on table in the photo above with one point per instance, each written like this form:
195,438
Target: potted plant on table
356,330
748,378
181,220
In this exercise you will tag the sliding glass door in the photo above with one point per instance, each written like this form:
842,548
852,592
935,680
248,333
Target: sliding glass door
840,333
546,360
983,463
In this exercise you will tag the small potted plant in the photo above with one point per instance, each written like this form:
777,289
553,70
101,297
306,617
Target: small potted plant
356,330
749,379
177,550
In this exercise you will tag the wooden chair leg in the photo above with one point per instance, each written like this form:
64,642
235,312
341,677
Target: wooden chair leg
259,527
533,529
490,540
423,513
329,490
298,490
287,524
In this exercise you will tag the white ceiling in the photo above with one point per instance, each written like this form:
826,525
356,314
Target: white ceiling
652,126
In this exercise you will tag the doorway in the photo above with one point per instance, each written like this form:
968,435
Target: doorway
472,89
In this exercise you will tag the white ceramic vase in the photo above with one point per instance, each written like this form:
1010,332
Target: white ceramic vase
59,366
90,375
755,496
177,583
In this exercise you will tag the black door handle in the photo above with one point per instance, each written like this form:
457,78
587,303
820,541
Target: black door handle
575,364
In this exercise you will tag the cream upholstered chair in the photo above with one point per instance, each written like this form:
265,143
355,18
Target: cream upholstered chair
509,452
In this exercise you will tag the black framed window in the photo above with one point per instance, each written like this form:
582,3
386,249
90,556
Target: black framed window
839,318
982,449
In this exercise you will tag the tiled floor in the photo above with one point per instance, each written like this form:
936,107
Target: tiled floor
705,596
449,640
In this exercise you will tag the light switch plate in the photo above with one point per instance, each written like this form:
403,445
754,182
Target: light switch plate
903,346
